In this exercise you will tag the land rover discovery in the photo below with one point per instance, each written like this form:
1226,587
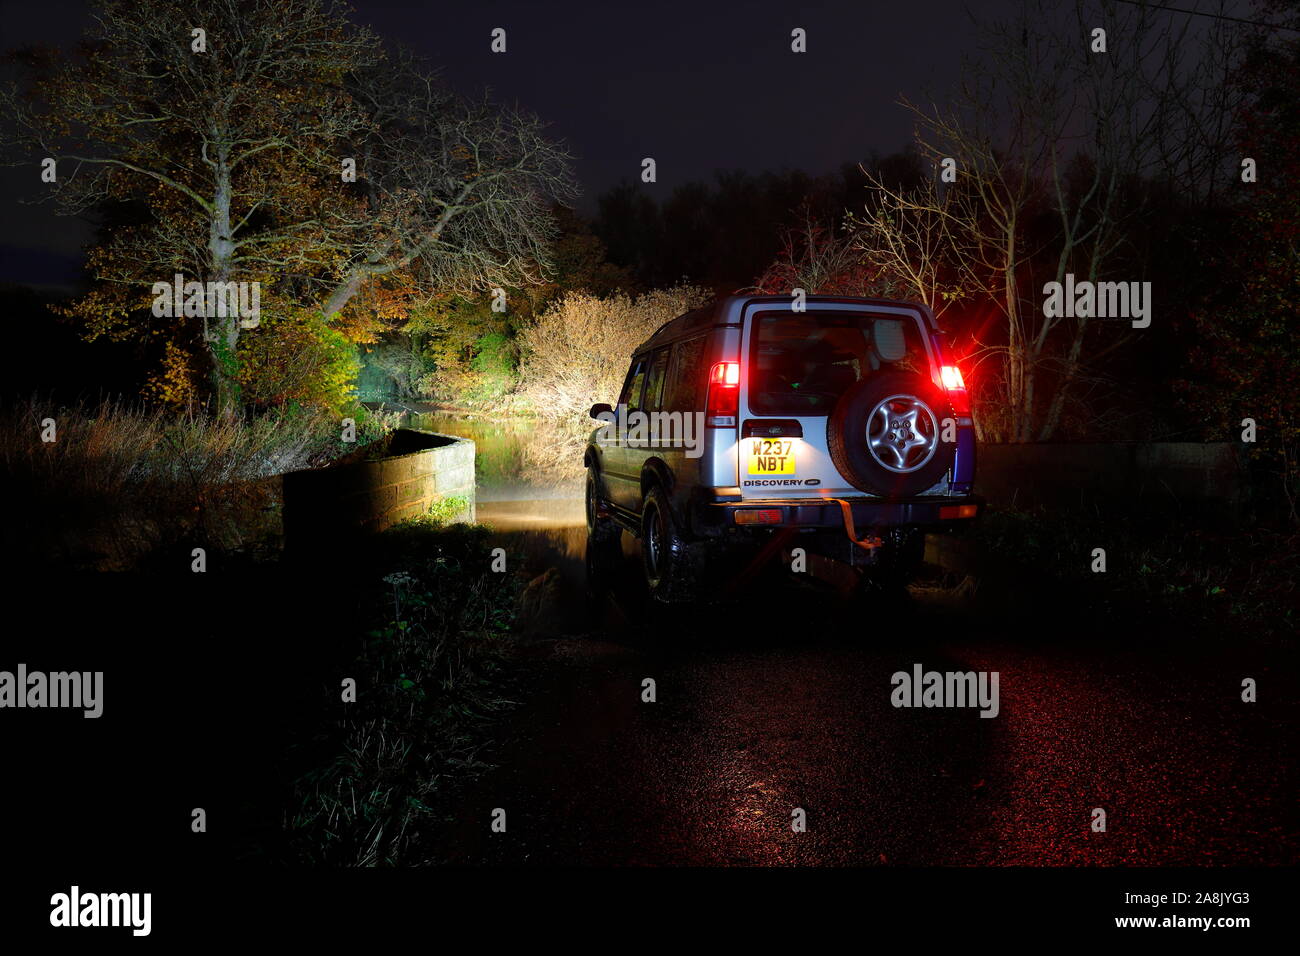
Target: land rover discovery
760,424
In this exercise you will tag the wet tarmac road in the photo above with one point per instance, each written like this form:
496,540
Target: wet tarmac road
782,701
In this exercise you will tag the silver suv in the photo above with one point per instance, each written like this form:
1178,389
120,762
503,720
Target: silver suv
764,423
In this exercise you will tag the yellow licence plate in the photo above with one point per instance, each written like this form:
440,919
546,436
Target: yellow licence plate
770,456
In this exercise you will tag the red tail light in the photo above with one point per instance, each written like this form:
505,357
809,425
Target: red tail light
725,373
955,385
724,395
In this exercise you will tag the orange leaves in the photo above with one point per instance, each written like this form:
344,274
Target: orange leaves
380,305
176,381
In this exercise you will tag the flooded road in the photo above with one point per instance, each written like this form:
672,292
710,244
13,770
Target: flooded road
524,478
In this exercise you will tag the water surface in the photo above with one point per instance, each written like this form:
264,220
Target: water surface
528,473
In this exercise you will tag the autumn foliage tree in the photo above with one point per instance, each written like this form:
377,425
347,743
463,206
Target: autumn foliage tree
273,141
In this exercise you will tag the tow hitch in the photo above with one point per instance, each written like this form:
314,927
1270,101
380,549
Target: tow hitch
867,542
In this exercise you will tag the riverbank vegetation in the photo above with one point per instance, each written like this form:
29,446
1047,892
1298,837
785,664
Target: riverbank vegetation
118,485
576,351
373,779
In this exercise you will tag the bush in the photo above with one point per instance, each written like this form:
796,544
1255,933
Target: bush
576,352
378,779
1191,576
295,356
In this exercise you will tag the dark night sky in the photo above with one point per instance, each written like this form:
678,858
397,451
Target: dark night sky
699,86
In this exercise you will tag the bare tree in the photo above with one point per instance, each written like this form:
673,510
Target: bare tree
1142,110
1045,122
919,240
461,191
818,261
995,166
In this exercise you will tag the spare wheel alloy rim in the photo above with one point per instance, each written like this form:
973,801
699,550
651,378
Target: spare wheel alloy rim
902,433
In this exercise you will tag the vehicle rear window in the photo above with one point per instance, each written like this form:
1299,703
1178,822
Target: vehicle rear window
800,363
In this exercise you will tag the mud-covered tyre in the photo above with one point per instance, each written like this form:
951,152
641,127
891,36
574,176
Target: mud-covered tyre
602,530
665,556
885,435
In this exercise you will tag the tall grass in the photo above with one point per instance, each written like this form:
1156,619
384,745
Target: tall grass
119,482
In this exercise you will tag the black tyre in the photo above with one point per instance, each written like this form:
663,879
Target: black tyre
885,435
601,528
665,555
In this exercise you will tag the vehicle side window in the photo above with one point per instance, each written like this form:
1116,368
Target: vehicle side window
654,383
684,387
631,396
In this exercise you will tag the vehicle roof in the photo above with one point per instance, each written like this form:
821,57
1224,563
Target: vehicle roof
729,310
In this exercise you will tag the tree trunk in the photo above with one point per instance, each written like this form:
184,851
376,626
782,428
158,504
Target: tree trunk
222,333
1053,418
1017,377
1054,411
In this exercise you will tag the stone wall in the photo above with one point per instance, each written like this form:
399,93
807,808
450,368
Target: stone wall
376,487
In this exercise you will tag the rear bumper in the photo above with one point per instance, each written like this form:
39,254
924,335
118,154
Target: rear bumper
867,512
